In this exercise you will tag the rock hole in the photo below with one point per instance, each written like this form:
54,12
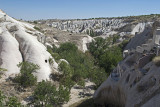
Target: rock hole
45,61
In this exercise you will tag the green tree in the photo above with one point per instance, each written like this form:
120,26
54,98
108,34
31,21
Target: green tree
67,73
26,78
65,69
115,38
106,55
35,22
81,65
98,75
110,59
47,95
98,47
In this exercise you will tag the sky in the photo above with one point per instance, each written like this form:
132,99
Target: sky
77,9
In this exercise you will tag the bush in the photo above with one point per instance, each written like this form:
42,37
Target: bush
13,102
52,49
2,98
65,69
106,57
110,59
98,47
46,95
9,102
26,78
37,28
98,76
35,22
81,65
67,73
56,56
115,38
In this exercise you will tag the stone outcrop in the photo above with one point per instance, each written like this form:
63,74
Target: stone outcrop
135,82
19,42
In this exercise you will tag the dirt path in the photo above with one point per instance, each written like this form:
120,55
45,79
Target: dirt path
78,94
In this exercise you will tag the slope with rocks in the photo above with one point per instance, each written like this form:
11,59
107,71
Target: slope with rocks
135,82
83,31
57,37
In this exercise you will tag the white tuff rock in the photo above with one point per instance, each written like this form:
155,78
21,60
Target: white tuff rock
19,42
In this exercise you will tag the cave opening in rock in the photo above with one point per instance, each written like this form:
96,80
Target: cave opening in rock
45,61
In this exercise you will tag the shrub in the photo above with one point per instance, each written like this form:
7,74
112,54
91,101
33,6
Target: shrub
52,49
46,95
98,75
98,47
115,38
9,102
67,73
106,57
26,78
81,65
13,102
2,98
51,61
37,28
56,56
35,22
65,69
110,59
67,82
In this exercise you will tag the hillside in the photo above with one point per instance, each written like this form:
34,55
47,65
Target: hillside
135,80
27,60
99,61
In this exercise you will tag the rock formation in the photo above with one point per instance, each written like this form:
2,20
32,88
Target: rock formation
19,42
102,27
135,82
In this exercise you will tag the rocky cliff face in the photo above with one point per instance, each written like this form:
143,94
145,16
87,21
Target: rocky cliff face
135,82
20,42
131,88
